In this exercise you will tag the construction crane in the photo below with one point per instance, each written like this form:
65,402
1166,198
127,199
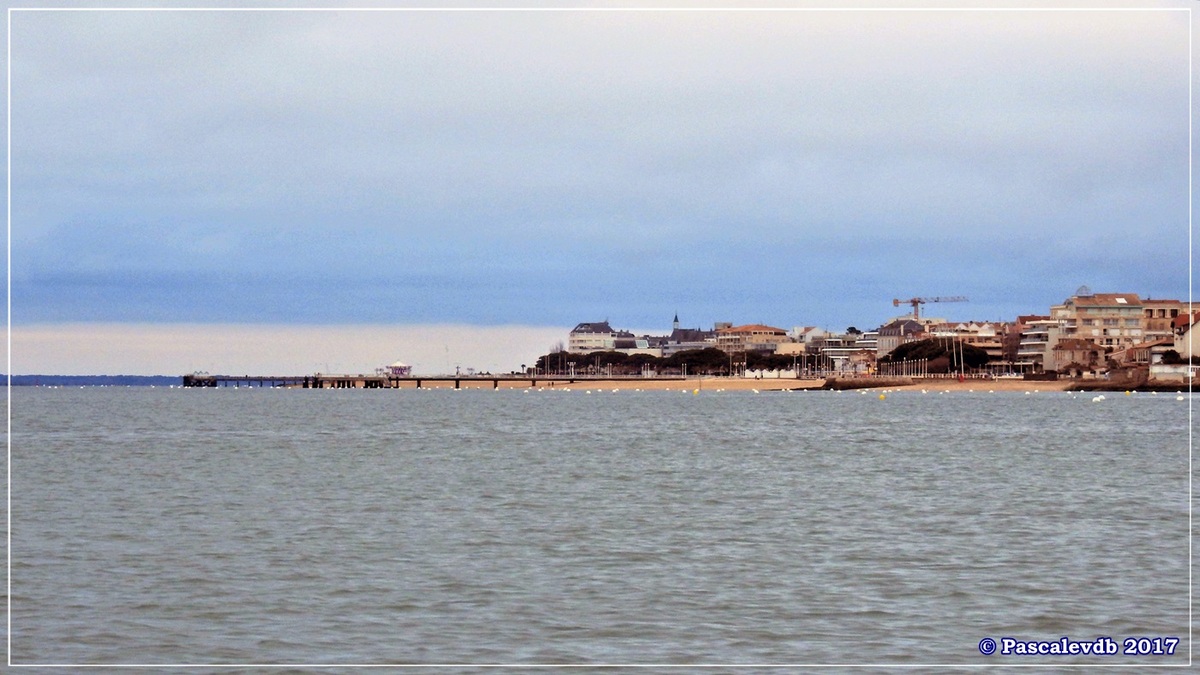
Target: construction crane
917,302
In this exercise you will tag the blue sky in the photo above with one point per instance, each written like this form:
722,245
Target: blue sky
538,169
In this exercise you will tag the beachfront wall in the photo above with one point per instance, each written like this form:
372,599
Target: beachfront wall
1180,373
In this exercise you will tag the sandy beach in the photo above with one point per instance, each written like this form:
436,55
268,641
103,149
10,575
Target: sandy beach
766,384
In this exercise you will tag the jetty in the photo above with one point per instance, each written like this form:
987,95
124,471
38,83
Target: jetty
360,381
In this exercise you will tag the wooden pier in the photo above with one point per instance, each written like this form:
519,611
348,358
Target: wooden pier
323,381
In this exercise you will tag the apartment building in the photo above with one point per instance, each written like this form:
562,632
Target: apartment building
1108,319
896,333
594,337
845,352
1038,337
1157,316
751,337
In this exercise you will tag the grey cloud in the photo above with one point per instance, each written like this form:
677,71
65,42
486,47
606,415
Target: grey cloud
371,146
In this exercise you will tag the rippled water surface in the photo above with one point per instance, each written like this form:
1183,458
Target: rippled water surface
503,527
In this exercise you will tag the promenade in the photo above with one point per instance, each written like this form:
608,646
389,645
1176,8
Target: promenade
361,381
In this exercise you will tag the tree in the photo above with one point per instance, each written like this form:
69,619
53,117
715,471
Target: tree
942,355
756,361
708,360
556,362
637,361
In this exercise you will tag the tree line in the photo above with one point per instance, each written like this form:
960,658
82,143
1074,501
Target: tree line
942,356
707,361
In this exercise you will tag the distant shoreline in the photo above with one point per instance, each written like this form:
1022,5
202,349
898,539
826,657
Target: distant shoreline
689,384
94,380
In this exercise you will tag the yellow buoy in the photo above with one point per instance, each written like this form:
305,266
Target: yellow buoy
881,397
695,392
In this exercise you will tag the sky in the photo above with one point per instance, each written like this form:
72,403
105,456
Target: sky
460,188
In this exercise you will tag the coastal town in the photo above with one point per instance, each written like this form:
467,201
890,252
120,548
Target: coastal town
1089,341
1089,336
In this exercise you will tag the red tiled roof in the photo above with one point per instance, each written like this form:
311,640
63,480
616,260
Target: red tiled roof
753,328
1109,299
1182,320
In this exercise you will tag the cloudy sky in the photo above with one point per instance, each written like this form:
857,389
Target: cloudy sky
459,178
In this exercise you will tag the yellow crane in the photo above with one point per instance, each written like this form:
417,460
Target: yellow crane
917,302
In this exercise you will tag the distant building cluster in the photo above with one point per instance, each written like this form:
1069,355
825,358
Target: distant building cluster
1086,336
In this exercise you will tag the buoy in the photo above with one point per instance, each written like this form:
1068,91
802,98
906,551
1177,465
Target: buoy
1178,398
695,392
881,397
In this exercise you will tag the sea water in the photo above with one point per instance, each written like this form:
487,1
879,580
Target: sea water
271,526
